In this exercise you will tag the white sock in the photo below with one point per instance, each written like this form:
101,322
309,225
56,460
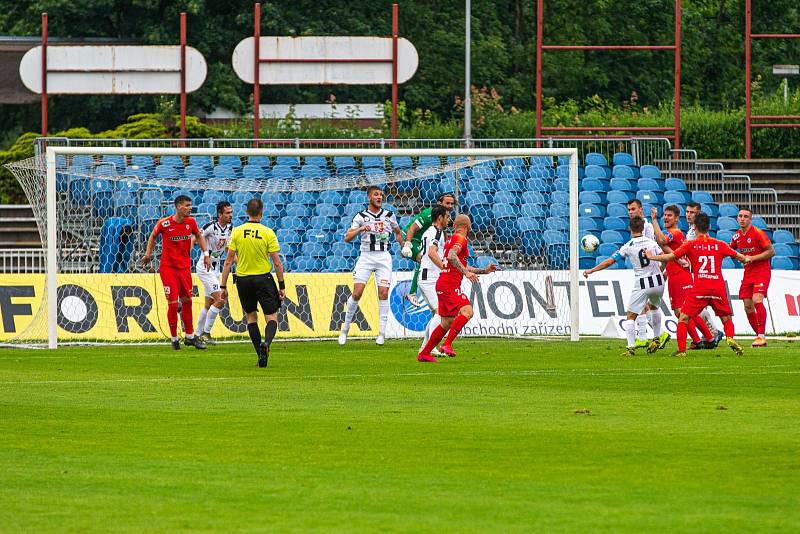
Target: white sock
174,338
190,336
350,312
383,315
213,311
432,324
656,319
709,319
641,327
201,321
630,332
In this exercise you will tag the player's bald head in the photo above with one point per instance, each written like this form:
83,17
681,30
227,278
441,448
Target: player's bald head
461,221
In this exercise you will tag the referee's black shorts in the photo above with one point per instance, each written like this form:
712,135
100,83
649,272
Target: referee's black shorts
258,289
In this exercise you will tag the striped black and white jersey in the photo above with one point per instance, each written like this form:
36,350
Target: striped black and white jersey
432,237
635,250
217,238
691,233
381,225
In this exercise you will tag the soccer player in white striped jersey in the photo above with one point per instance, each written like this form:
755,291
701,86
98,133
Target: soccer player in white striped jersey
217,235
431,264
374,225
648,287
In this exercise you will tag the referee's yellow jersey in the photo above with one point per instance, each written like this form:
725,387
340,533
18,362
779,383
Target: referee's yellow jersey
253,242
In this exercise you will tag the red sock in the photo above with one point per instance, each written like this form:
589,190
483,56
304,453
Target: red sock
728,326
186,315
455,328
172,318
752,318
436,336
681,336
761,312
703,328
692,329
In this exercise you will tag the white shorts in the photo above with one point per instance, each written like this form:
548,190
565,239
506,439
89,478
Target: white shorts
428,290
210,280
379,263
641,297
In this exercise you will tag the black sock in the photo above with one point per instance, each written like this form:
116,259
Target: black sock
255,336
270,330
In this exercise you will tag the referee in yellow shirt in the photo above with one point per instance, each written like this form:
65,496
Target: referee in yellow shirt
254,248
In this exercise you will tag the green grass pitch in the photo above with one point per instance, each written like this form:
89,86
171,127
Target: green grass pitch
509,436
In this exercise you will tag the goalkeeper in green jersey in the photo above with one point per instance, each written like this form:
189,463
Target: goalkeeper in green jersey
413,245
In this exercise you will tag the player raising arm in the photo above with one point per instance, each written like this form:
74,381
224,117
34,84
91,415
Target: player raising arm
705,254
175,267
455,308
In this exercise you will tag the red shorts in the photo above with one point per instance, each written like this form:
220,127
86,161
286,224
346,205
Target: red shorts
696,302
451,301
754,283
679,285
177,283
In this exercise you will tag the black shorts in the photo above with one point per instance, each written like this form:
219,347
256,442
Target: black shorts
258,289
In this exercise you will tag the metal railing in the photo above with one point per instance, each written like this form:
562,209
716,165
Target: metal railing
22,260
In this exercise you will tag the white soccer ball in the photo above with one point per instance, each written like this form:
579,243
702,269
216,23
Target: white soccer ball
589,243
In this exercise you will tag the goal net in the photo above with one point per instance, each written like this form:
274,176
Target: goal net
96,207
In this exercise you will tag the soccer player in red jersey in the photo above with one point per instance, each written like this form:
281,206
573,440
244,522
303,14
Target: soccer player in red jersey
753,242
175,267
455,309
679,277
705,254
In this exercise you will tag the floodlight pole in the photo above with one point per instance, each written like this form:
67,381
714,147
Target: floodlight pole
467,75
44,74
257,74
183,77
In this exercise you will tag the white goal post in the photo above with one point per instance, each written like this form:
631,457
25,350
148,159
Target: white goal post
472,156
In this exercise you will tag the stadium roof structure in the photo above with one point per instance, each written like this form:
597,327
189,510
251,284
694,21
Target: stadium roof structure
12,48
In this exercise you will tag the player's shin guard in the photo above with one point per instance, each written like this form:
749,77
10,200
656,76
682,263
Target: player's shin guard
436,336
172,318
691,327
186,317
630,332
656,320
255,336
703,328
728,326
761,313
752,318
201,321
641,327
269,331
432,324
383,316
352,308
213,311
455,328
682,330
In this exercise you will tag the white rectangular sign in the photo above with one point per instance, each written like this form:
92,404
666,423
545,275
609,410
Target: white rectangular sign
514,303
324,60
115,70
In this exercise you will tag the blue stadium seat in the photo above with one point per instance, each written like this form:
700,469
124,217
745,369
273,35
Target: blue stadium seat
338,264
509,184
559,210
400,263
481,262
784,236
532,243
538,211
712,210
600,259
759,222
375,175
314,250
429,161
786,249
226,172
552,235
560,185
675,184
613,236
306,264
480,184
344,161
727,223
646,208
650,171
117,161
143,162
319,222
725,235
124,204
172,161
201,161
531,225
538,184
596,171
535,197
589,224
314,172
624,172
168,172
345,250
703,197
615,223
291,161
607,249
284,172
334,197
591,184
559,224
373,162
232,161
318,235
259,161
503,210
730,263
507,197
595,158
617,209
591,197
619,196
650,185
728,210
672,196
197,172
255,172
297,210
592,210
560,197
327,210
211,196
401,162
292,223
143,173
783,263
303,198
206,211
649,197
350,211
623,158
